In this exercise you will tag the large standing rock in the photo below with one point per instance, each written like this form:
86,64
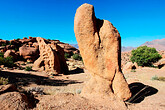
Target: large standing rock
100,46
51,57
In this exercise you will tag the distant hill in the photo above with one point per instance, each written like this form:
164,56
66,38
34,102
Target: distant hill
75,45
127,49
159,44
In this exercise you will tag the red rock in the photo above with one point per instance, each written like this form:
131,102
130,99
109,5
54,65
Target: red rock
11,53
68,48
13,101
29,52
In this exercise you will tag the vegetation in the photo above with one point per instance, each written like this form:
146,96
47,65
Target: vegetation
8,61
18,39
28,68
145,56
1,54
3,81
4,44
158,78
66,55
77,57
133,70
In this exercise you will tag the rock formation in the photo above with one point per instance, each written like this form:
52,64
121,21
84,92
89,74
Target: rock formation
30,53
100,46
12,53
51,58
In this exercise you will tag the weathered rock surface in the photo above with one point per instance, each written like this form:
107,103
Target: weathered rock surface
129,66
100,46
68,48
3,42
13,101
29,52
7,88
11,53
51,58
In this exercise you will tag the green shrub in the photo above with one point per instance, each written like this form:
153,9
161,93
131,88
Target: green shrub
4,44
18,39
10,43
8,61
1,54
28,68
66,55
3,81
77,57
145,56
133,70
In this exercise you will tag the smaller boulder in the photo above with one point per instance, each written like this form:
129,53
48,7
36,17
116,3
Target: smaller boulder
13,101
12,53
7,88
129,66
31,53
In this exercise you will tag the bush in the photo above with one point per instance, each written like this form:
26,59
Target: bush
4,44
66,55
145,56
28,68
1,54
77,57
8,61
3,81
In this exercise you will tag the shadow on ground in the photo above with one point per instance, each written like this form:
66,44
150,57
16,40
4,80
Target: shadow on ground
76,71
21,79
140,91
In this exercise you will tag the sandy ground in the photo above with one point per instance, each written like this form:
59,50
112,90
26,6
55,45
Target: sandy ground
63,90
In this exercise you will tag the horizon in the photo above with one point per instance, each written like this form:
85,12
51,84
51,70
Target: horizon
137,21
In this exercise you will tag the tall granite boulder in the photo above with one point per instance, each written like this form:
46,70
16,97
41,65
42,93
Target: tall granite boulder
51,58
100,46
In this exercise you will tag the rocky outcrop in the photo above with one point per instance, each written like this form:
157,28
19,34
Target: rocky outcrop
3,42
30,53
100,46
25,40
12,53
51,58
68,48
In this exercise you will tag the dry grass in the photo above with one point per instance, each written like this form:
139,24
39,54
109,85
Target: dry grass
3,81
158,78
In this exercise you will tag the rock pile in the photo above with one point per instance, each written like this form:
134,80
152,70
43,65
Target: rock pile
100,46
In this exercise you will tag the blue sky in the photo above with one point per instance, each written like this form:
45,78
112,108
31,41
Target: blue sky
137,21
